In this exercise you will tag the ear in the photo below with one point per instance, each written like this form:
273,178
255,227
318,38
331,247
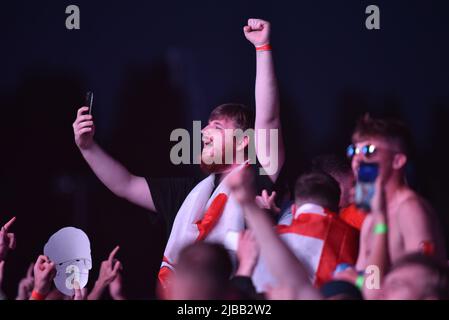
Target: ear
399,161
242,143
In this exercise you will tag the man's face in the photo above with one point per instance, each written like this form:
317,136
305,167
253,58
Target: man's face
217,139
383,155
406,283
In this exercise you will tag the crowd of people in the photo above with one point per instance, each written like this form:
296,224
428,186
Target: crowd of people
240,232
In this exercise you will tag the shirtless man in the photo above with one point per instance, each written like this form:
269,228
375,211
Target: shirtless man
413,226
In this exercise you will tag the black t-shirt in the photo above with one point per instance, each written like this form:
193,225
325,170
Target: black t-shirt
169,193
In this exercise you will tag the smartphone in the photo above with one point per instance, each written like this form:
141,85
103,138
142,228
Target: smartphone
365,185
89,100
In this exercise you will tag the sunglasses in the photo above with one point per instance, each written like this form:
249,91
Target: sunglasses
367,150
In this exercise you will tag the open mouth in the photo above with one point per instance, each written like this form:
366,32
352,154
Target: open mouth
207,143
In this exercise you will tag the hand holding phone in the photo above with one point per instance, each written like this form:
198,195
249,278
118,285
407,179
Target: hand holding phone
83,127
365,185
89,100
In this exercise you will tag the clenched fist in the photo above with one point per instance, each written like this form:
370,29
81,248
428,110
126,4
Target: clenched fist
257,32
44,272
84,129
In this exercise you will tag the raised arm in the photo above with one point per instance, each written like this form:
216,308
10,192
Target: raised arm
364,243
109,270
267,97
110,172
373,257
378,256
44,273
280,260
2,265
7,239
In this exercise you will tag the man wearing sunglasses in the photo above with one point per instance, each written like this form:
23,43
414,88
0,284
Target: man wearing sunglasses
412,224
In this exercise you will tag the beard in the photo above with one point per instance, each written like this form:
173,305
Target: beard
212,166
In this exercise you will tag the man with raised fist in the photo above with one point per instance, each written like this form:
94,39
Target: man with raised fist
196,208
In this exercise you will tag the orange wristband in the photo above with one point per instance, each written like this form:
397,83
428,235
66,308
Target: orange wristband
265,47
37,296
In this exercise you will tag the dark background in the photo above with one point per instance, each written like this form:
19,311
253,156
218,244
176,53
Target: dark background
156,66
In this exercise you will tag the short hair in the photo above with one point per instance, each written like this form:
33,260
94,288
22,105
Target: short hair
208,260
331,164
392,130
241,115
438,281
319,188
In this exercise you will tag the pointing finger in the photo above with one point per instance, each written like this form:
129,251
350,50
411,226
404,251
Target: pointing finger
264,194
112,254
9,223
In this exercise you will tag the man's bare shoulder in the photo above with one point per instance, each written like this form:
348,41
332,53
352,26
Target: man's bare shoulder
409,203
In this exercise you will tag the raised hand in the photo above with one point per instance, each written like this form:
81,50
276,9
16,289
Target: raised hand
84,129
110,268
247,254
257,32
80,294
116,288
264,201
7,239
44,272
26,285
109,271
